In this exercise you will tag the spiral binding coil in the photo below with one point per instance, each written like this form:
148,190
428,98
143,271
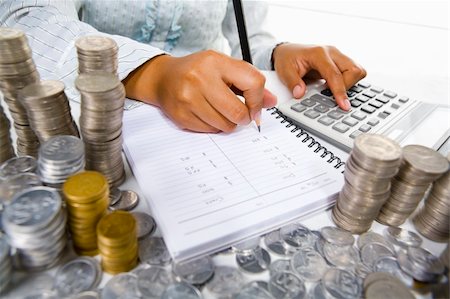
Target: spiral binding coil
308,139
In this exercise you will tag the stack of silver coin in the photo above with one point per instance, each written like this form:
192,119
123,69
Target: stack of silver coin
102,100
35,224
60,157
6,148
374,160
17,70
420,167
97,53
5,265
433,219
48,109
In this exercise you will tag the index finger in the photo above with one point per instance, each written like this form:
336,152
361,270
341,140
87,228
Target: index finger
247,79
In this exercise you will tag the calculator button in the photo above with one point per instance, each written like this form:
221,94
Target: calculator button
373,122
365,128
323,100
327,92
326,120
351,93
376,89
383,115
308,102
343,111
376,104
362,98
350,121
369,94
340,127
359,115
364,84
390,94
356,103
335,114
298,107
312,114
356,89
383,100
395,106
321,108
403,99
368,109
355,134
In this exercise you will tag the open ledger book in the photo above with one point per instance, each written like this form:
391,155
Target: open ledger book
209,191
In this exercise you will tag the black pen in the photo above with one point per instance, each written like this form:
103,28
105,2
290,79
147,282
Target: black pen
243,39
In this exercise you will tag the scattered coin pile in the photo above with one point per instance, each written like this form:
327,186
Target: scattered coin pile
373,161
6,148
97,53
117,242
17,70
60,157
420,167
102,100
35,224
420,264
48,109
87,199
433,220
5,265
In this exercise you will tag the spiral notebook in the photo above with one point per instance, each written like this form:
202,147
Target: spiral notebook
209,191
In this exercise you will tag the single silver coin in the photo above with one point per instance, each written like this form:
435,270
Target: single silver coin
253,291
316,292
297,235
337,236
260,283
309,265
255,262
373,237
277,245
346,257
371,252
286,285
341,284
152,282
383,289
128,201
153,250
181,290
194,272
114,195
12,185
87,295
42,294
402,237
425,260
389,264
280,266
123,285
146,225
246,246
17,165
78,275
362,270
225,282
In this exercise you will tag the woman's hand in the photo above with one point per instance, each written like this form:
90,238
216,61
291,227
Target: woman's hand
198,91
295,63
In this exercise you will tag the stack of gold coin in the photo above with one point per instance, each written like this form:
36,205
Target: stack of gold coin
6,148
17,70
420,167
374,160
97,53
87,199
433,219
117,242
102,100
48,109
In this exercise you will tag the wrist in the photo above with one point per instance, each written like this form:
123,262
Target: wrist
142,84
274,53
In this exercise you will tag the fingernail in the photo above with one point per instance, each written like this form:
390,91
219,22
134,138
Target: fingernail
297,91
346,104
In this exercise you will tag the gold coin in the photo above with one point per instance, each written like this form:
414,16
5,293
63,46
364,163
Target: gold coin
81,251
85,187
124,252
116,227
97,204
112,269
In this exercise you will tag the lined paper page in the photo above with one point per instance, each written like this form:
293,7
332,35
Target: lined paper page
208,191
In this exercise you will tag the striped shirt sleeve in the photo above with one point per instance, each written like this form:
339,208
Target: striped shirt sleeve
52,27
